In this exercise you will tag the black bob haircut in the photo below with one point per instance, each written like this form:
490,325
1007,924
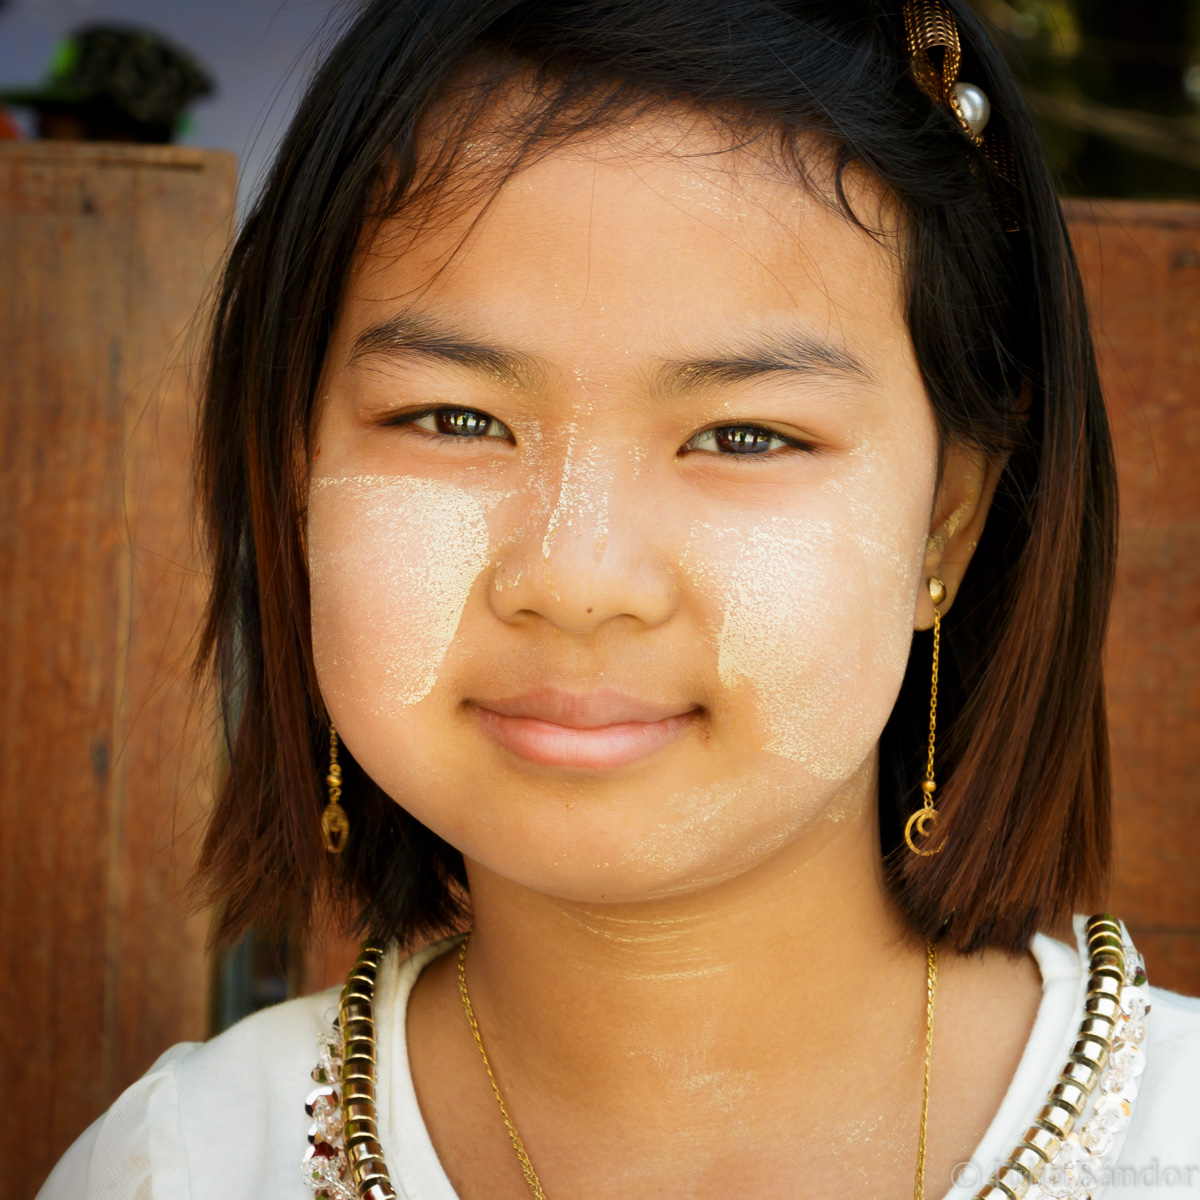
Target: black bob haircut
1000,332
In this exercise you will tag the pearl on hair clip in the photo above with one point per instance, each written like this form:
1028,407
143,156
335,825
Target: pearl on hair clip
973,105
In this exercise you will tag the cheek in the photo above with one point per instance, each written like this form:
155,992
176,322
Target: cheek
391,563
815,620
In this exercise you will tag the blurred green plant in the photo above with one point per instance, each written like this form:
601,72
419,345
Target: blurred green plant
1115,87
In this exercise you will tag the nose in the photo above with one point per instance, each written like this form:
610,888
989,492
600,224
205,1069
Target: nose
587,550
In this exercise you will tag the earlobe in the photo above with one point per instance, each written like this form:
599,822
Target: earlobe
964,496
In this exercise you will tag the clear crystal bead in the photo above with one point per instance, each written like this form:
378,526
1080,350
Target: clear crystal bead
324,1168
1134,1002
1097,1137
1120,1084
328,1119
1088,1175
325,1175
1114,1080
1130,1030
1055,1181
1073,1173
1111,1111
1130,1059
330,1048
1135,965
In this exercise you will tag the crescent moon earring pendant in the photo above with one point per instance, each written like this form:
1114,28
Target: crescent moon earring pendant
921,820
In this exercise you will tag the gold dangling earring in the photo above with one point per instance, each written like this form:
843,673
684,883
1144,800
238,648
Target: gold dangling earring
927,814
335,825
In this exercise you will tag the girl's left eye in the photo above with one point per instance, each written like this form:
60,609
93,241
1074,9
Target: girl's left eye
456,423
739,440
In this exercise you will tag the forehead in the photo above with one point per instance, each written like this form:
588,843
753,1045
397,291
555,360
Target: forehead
641,238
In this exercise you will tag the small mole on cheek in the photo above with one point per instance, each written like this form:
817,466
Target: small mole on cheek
589,610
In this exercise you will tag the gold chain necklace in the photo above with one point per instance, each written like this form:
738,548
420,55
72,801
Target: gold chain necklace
535,1185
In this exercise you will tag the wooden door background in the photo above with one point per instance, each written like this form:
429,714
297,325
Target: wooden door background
105,254
1142,266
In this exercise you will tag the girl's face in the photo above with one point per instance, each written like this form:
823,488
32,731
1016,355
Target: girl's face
619,516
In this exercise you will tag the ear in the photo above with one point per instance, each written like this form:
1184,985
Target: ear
960,508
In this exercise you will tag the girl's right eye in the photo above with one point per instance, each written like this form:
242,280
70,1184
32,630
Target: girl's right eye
458,423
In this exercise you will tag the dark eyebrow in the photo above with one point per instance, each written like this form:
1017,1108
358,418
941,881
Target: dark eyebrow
786,352
412,334
407,334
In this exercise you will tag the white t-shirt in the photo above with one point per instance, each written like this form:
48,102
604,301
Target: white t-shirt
225,1119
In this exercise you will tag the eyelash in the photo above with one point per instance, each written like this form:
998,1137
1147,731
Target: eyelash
783,441
411,419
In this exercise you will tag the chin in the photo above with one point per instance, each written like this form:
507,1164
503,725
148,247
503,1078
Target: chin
635,843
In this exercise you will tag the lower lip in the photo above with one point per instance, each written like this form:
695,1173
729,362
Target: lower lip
551,745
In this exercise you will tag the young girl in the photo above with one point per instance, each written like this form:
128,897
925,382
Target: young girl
602,392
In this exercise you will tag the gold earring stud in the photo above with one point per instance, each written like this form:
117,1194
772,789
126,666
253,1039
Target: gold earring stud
927,814
335,825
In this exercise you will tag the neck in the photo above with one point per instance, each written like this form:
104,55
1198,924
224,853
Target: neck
701,992
762,1031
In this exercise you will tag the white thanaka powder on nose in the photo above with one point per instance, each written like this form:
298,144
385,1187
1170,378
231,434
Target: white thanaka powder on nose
582,504
392,561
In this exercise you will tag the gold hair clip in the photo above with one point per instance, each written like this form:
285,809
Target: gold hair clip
931,33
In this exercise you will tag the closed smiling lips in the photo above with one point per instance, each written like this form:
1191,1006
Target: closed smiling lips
593,730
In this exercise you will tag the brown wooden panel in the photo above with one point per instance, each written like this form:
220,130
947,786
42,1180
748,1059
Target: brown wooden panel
105,252
1142,266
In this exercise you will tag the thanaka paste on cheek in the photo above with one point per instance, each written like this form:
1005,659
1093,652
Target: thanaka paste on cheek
392,561
695,824
815,619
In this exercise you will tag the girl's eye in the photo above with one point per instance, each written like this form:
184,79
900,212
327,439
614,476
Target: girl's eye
739,440
455,423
